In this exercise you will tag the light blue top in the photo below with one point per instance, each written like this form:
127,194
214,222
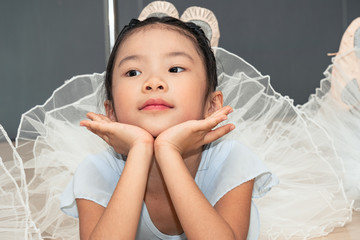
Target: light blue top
224,165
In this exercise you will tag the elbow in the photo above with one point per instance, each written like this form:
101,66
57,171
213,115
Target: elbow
232,235
238,235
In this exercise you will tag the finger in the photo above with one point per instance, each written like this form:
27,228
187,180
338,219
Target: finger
224,110
89,124
99,128
104,118
84,123
96,117
220,114
218,133
212,122
91,115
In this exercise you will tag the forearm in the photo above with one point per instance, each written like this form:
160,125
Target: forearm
197,216
121,216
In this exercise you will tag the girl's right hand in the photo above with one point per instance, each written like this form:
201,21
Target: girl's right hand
122,137
191,135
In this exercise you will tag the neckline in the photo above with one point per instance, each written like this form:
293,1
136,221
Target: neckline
146,216
155,230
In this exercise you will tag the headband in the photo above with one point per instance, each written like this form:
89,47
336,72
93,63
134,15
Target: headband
201,17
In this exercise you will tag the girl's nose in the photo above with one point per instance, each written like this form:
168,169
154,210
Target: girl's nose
154,84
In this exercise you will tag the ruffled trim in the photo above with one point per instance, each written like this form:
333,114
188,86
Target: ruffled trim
16,222
206,20
296,143
299,151
158,9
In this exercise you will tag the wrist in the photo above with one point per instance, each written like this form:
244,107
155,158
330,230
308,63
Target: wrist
144,148
164,152
147,143
164,146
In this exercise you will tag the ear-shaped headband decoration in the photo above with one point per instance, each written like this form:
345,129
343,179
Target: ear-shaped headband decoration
202,17
345,72
158,9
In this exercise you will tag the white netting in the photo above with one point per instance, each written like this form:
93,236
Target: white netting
15,218
309,201
52,144
311,148
336,107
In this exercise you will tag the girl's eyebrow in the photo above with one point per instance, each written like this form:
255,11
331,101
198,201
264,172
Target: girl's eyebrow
128,58
170,54
182,54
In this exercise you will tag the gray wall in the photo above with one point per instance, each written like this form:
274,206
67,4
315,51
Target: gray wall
286,39
44,42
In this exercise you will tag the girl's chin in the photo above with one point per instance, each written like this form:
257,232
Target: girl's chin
156,131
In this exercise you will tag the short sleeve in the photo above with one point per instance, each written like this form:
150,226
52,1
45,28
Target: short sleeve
226,165
95,179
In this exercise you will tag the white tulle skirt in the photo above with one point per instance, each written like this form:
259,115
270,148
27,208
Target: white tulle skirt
313,149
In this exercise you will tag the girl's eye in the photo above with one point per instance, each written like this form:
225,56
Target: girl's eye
176,69
133,73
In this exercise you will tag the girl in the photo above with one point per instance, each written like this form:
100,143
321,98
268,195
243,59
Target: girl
169,178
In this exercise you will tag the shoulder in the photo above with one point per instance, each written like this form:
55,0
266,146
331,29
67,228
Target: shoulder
228,152
99,171
105,164
95,179
227,164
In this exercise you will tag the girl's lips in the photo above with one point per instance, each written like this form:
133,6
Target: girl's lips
156,104
155,107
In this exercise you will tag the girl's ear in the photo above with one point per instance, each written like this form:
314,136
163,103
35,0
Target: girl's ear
214,103
110,112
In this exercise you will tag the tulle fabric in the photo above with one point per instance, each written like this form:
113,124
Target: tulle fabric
15,217
52,144
310,199
336,107
316,171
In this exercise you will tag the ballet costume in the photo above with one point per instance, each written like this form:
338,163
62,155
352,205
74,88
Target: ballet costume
305,159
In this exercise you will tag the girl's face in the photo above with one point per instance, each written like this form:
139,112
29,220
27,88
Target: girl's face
159,80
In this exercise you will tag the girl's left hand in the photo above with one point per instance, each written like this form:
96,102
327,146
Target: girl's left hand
122,137
191,135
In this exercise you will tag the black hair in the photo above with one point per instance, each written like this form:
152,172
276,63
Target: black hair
189,29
